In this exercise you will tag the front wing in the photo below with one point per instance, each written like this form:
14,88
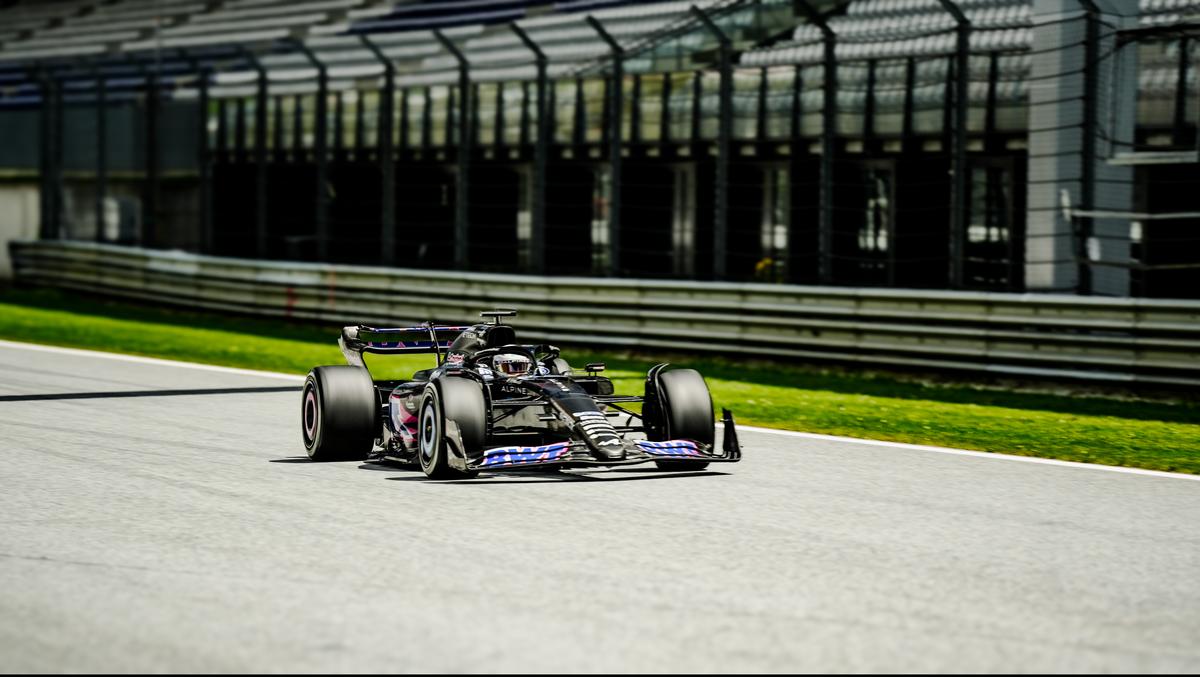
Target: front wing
577,454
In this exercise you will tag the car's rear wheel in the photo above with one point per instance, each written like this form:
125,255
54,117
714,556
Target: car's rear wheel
450,399
686,412
339,413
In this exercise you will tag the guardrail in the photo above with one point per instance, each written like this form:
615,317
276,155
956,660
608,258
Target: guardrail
1145,341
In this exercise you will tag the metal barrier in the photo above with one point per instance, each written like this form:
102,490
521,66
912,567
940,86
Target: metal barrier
1140,341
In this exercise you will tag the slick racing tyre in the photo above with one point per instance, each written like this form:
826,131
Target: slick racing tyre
450,399
687,412
339,413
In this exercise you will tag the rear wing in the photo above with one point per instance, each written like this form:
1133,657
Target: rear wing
427,338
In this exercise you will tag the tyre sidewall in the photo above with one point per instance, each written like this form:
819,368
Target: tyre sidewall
431,433
311,413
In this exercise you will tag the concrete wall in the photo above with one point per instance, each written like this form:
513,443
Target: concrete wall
19,217
1053,252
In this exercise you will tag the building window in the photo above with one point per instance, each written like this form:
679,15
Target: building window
877,220
776,216
683,222
524,216
601,197
989,254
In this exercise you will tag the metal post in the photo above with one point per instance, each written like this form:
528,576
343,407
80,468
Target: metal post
497,118
616,111
910,86
101,150
635,110
405,123
828,142
150,189
760,120
360,119
204,160
1091,100
541,152
869,108
989,123
724,142
298,127
260,154
465,132
797,121
1180,81
664,118
959,169
278,143
387,159
339,135
48,228
578,132
427,120
523,134
320,152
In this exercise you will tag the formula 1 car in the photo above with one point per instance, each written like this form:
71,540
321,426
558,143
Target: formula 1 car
494,404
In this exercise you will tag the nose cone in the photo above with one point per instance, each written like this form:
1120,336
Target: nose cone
600,435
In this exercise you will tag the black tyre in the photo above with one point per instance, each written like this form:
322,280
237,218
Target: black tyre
339,414
687,412
559,366
450,399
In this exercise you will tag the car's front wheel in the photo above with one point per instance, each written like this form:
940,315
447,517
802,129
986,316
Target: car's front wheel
458,400
686,413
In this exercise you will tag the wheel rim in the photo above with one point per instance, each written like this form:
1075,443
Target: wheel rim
310,415
429,431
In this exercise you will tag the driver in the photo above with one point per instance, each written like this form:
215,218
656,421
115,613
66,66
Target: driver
513,365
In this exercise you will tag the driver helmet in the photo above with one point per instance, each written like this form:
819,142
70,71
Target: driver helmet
511,364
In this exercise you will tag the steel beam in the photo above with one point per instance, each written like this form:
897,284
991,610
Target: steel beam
260,153
541,154
101,151
462,199
320,151
959,167
615,112
387,157
828,141
1091,98
724,144
150,189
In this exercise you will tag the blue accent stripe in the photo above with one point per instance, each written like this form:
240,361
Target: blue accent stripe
671,448
507,456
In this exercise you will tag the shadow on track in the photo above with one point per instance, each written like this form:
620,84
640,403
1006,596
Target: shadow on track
41,397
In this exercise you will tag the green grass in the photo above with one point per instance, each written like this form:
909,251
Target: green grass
1101,426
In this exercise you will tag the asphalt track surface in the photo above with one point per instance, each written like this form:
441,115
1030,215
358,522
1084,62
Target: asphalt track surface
166,522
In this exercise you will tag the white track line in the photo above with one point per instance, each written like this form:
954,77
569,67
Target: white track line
766,431
968,452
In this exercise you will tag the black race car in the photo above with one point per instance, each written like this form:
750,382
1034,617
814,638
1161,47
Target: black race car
492,403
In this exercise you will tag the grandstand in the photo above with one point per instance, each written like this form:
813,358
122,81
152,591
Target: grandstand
912,143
